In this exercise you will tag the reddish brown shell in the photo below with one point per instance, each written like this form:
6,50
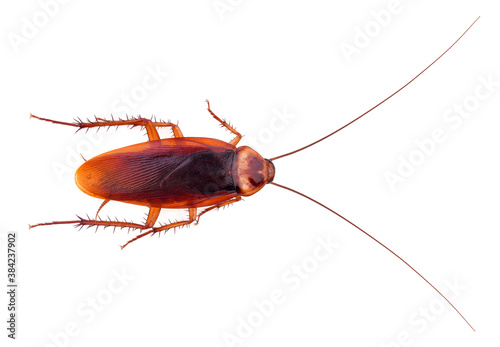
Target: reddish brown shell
170,173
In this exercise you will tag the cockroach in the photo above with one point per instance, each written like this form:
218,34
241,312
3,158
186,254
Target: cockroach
186,173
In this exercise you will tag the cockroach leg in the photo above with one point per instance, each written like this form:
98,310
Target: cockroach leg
225,124
97,223
55,223
153,214
175,128
147,123
225,203
100,122
100,207
54,121
192,218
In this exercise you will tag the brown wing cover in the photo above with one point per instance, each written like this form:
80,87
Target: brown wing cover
170,173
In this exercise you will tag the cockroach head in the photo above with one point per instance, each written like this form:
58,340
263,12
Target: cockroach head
270,171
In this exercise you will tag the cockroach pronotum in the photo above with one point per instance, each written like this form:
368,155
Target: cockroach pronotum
186,173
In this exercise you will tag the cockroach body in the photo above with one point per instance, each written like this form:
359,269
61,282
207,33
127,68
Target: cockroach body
186,172
180,172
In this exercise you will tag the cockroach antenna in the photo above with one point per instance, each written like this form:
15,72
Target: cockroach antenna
377,105
348,221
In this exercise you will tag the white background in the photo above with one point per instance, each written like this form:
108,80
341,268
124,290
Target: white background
191,287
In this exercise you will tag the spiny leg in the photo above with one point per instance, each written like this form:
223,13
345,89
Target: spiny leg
225,203
93,222
225,124
192,218
100,122
150,222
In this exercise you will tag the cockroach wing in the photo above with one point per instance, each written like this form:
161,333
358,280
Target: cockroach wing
169,173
